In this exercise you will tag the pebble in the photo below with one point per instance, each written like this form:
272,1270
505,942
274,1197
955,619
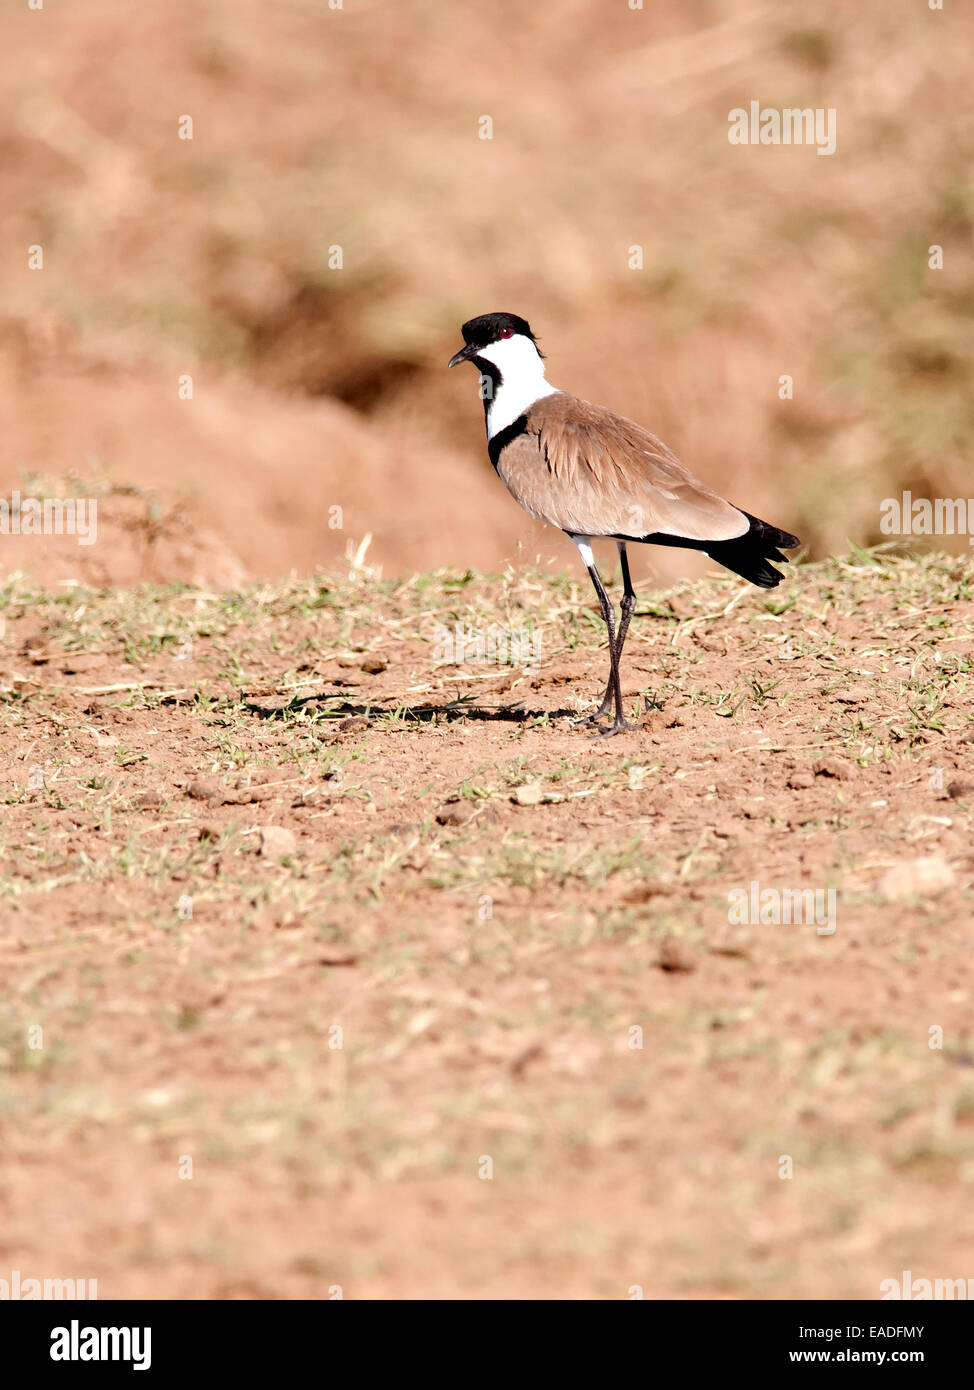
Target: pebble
839,768
917,878
531,794
675,956
276,842
147,800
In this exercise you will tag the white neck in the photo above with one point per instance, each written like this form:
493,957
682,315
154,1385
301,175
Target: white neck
522,381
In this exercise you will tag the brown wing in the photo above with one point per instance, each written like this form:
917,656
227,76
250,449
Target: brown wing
593,473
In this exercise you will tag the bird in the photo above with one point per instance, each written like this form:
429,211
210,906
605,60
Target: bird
595,474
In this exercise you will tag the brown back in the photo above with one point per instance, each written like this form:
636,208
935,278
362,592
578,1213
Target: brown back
587,471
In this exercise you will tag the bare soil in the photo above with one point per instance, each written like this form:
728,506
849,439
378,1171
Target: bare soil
366,938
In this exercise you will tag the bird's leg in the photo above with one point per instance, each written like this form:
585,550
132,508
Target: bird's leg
603,708
628,607
612,688
619,723
628,603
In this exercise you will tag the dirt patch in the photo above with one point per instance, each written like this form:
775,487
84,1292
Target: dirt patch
434,995
231,483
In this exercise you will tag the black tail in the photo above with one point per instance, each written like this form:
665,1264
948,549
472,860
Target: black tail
746,555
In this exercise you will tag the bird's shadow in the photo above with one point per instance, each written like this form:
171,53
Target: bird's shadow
449,712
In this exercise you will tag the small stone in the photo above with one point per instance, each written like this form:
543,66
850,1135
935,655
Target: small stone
530,794
526,1056
146,801
801,781
79,662
374,664
276,842
960,790
647,890
204,790
732,940
856,694
337,958
258,776
247,795
917,878
839,768
675,957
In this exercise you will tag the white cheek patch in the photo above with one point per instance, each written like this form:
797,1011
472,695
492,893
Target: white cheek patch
522,380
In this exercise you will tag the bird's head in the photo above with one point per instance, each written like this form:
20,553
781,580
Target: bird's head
502,342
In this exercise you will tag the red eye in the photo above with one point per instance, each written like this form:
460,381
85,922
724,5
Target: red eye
507,332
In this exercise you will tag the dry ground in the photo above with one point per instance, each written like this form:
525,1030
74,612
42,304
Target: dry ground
481,898
482,952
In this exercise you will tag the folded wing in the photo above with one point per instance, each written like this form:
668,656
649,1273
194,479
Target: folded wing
593,473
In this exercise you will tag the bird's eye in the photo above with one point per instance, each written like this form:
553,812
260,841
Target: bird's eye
507,332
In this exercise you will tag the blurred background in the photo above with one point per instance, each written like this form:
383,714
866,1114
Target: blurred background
318,385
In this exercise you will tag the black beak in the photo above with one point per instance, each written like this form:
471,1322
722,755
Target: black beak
466,354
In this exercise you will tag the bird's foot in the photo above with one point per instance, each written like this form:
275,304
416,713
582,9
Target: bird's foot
590,718
618,726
